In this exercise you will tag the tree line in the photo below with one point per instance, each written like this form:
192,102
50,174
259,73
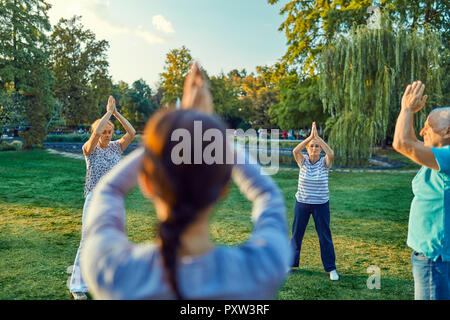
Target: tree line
345,66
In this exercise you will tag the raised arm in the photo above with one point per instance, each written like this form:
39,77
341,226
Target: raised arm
89,146
298,155
196,93
405,140
130,132
329,153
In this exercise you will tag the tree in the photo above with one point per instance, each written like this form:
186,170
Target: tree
311,25
81,69
300,103
175,71
139,107
12,109
362,78
136,103
24,54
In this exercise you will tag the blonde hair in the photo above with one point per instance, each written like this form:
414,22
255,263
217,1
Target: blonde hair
95,124
309,144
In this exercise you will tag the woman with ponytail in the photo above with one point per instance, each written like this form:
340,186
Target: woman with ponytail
184,263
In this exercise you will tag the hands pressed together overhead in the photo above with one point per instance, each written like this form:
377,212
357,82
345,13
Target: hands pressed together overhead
314,134
111,106
196,94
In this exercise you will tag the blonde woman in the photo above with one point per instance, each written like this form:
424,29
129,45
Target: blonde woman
101,155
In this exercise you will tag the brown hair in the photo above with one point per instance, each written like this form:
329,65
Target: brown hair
185,188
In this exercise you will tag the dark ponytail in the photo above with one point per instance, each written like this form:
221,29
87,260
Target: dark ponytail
187,189
170,232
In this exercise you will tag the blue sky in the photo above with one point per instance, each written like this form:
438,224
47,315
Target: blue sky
221,34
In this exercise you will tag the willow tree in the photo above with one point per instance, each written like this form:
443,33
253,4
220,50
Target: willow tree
362,78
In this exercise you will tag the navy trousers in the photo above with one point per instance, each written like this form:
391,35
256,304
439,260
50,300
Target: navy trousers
321,216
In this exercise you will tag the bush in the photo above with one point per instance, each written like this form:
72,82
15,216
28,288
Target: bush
82,138
67,138
17,144
5,146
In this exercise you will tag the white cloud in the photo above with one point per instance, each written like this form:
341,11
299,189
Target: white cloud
161,24
95,16
148,36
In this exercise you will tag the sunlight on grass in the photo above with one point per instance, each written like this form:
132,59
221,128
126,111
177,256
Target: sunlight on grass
41,201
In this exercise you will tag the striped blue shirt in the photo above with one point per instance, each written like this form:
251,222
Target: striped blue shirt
313,182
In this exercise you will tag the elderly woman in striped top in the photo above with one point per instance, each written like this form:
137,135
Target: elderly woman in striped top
312,198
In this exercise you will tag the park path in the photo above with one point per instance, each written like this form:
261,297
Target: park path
81,157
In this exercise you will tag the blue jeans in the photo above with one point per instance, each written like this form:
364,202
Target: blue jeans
321,216
431,278
77,283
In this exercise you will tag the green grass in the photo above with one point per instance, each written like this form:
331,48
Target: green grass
41,200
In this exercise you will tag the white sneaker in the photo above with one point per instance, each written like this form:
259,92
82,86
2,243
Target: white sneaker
334,276
79,296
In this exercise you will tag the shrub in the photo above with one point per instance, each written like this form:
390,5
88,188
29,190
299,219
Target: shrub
5,146
17,144
82,138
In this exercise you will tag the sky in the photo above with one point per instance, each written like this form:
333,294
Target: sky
221,34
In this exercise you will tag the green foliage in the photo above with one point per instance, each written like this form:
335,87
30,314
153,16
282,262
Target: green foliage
81,69
175,71
5,146
135,103
24,55
311,25
12,109
82,137
300,103
226,99
362,79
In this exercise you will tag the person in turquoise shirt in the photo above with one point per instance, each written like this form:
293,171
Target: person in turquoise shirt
429,218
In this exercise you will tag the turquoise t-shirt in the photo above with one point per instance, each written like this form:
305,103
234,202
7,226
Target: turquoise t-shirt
429,219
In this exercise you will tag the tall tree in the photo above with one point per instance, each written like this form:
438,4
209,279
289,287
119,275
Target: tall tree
226,101
81,69
175,71
362,78
310,25
139,107
24,54
300,103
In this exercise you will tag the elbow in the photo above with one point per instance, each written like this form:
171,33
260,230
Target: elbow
331,157
402,146
398,144
132,132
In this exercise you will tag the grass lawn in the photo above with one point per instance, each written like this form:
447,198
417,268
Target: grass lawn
41,200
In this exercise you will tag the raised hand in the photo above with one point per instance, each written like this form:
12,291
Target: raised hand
314,130
111,107
413,99
196,94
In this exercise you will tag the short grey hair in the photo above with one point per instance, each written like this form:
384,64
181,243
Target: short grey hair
442,117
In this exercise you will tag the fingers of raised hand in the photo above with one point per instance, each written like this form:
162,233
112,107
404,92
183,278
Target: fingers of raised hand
424,99
408,89
420,89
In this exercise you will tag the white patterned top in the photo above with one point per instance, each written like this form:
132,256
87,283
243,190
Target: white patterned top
313,182
99,162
